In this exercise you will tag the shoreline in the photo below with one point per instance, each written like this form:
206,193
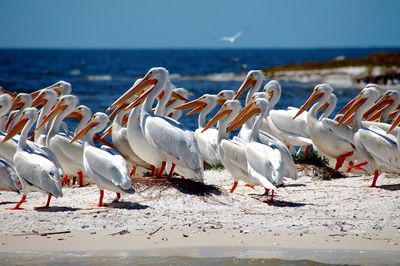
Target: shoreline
309,216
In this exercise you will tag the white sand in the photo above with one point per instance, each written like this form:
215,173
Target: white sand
308,214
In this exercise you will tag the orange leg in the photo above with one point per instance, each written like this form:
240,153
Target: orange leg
80,178
65,180
233,187
250,186
133,171
340,160
356,166
376,174
172,170
306,151
266,193
45,206
18,206
118,197
161,170
271,200
101,204
153,170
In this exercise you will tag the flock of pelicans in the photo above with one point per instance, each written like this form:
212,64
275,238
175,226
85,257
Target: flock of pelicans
44,157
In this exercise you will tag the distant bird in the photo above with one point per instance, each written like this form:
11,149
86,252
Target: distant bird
231,39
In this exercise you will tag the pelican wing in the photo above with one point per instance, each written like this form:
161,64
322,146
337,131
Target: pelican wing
342,131
109,166
235,153
265,161
289,137
38,171
177,142
8,177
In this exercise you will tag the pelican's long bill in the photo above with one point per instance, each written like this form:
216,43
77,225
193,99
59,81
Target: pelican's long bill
223,112
378,108
135,89
197,106
245,114
84,130
313,97
39,100
250,81
16,128
359,100
395,122
60,106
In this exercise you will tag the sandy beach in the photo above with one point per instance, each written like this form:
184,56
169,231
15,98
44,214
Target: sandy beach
309,214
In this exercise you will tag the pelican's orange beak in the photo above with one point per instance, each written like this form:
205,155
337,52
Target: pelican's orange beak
393,114
84,130
250,81
16,129
117,110
347,106
353,108
395,123
16,103
270,95
247,112
139,99
313,97
384,102
197,106
12,94
325,105
60,106
106,133
178,96
146,82
76,113
223,112
39,100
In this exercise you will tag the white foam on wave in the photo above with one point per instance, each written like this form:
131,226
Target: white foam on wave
228,76
99,77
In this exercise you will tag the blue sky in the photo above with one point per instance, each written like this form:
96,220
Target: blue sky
198,24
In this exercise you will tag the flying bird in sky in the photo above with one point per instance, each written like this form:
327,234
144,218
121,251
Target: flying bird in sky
231,39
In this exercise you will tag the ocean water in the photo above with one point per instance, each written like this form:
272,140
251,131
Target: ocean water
98,77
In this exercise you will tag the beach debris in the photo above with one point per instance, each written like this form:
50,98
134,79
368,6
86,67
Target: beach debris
34,232
154,232
122,232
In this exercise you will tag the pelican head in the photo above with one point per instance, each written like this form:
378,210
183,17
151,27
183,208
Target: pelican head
257,105
225,95
230,106
66,101
370,86
149,80
22,99
252,78
198,104
29,114
321,91
273,90
4,91
44,96
365,98
389,98
81,112
99,121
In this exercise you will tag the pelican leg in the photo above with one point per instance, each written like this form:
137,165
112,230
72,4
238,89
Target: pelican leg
340,160
153,170
172,170
80,178
376,174
250,186
101,204
266,193
356,166
45,206
133,171
233,187
65,180
118,197
18,206
271,200
161,170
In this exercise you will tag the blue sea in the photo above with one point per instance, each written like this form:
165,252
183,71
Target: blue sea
98,77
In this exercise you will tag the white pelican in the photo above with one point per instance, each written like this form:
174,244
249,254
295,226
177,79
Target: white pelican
207,140
108,169
119,135
69,155
334,142
61,88
264,162
231,153
5,106
176,145
48,98
174,102
21,101
36,170
378,147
